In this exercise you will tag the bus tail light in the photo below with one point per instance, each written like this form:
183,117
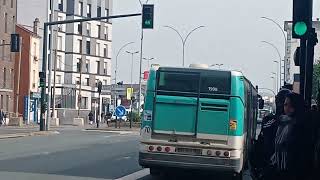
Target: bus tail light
167,149
159,148
218,153
151,148
226,154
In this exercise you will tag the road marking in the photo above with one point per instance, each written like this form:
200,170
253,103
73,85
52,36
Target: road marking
136,175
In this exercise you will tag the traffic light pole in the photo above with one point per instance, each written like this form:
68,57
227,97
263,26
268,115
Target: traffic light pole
44,100
311,42
303,48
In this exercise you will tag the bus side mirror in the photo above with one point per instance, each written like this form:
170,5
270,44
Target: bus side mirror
261,103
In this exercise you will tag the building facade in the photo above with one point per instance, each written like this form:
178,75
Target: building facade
291,70
8,14
27,79
79,49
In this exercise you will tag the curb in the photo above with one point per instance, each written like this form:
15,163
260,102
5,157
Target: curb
109,130
18,135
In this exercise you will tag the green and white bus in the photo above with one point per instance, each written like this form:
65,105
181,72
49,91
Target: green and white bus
197,118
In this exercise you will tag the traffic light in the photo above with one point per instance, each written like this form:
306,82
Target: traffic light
15,43
302,18
147,16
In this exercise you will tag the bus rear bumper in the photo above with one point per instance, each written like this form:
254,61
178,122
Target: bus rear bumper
147,159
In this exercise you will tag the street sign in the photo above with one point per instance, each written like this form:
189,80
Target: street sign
120,111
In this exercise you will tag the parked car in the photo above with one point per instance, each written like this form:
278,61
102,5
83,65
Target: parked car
124,118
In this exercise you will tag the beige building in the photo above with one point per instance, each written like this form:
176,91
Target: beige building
8,14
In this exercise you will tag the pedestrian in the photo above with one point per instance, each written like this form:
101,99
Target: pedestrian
287,160
1,117
269,126
90,115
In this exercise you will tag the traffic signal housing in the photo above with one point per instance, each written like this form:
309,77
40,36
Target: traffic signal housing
302,18
147,16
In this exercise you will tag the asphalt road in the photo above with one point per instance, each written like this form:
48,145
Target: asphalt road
79,155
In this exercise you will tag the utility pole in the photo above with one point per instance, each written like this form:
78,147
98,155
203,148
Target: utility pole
54,83
18,78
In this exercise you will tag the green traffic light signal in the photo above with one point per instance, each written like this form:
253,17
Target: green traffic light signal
147,16
300,28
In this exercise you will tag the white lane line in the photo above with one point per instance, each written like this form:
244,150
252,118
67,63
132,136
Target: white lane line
136,175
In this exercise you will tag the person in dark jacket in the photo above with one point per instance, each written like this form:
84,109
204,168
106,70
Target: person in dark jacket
287,160
90,115
269,126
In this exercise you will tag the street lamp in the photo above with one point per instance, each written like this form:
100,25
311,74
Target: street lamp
216,65
285,41
148,59
115,73
278,74
183,40
277,50
274,81
268,90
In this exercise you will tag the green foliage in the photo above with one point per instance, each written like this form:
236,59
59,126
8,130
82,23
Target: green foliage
316,80
135,116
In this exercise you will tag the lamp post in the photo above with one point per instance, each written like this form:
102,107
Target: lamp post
131,99
217,65
183,40
148,59
285,43
277,50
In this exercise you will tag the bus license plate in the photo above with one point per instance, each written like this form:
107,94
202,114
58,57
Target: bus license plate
189,151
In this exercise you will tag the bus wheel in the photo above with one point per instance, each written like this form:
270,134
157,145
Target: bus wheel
155,172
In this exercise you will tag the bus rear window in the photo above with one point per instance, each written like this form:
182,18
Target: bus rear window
217,82
178,82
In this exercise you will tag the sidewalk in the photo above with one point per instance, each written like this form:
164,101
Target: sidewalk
23,131
104,127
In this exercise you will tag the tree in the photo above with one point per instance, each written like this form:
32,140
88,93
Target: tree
316,80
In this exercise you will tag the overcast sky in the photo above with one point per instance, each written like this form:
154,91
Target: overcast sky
232,35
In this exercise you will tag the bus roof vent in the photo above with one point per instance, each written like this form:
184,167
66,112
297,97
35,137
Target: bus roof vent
205,66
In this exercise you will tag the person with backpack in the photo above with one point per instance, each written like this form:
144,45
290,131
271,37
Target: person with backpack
90,115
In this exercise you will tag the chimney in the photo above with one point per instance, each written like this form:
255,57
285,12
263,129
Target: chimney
36,25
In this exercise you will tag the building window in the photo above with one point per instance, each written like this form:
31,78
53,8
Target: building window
105,82
59,62
3,49
35,51
79,27
34,79
7,103
58,79
1,102
84,102
80,10
98,11
88,29
4,2
105,32
99,31
59,42
89,10
80,46
98,67
105,68
87,66
60,5
88,46
98,49
78,80
11,3
5,22
4,77
87,82
97,82
60,26
78,65
105,51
